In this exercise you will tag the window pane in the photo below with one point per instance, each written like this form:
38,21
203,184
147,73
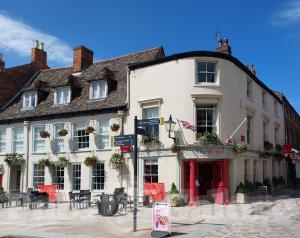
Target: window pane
76,183
149,113
201,66
80,137
38,175
211,67
210,77
201,77
98,175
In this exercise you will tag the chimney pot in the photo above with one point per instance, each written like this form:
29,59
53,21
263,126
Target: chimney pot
252,69
36,44
82,58
2,63
223,46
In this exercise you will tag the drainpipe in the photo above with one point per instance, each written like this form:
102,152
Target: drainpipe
121,114
26,124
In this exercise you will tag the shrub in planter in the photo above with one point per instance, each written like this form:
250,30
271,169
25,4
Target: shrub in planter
44,134
174,189
63,132
115,127
117,161
45,162
2,191
63,162
152,139
241,193
13,158
239,148
209,138
175,149
176,200
89,129
90,161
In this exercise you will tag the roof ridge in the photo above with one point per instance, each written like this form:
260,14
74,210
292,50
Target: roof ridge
16,67
121,56
56,68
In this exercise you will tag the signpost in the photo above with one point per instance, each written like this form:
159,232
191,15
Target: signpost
124,140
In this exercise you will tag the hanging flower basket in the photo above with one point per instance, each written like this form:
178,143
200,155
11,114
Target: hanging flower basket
115,127
45,162
14,158
90,161
117,161
63,132
89,129
44,134
63,162
175,149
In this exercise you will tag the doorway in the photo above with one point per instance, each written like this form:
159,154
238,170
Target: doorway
15,178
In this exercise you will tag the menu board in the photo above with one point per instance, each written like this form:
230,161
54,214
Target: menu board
161,217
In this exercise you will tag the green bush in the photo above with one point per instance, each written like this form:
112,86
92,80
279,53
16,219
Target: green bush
174,189
2,191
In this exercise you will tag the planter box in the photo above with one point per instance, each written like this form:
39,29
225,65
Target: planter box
241,198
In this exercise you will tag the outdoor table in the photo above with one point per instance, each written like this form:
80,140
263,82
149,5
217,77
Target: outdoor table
17,197
78,197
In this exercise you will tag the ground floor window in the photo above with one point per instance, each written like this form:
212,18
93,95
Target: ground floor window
59,177
151,171
264,169
38,175
76,181
246,170
254,171
98,176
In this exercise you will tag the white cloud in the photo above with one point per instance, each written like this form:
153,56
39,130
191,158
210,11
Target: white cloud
290,13
18,37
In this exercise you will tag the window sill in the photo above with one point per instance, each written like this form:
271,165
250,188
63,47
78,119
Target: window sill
39,153
80,151
28,108
97,100
61,105
207,85
107,149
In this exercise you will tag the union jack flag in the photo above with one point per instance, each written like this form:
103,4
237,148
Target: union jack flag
187,125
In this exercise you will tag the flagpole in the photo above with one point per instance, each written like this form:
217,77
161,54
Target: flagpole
245,119
185,142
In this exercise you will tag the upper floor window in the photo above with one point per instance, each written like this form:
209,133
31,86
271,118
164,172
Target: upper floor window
249,130
149,113
29,99
80,137
276,108
103,136
98,90
62,96
276,135
2,141
206,119
249,88
58,140
206,72
18,140
264,99
265,131
38,142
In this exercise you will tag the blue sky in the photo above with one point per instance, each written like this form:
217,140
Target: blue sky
265,33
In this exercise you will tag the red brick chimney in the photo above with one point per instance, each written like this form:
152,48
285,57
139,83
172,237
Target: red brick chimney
39,56
2,63
223,46
82,58
252,69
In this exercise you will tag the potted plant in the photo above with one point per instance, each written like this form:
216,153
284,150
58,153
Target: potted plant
90,161
14,158
175,149
89,129
115,127
241,193
44,134
2,191
45,162
63,162
117,160
176,198
209,138
239,148
63,132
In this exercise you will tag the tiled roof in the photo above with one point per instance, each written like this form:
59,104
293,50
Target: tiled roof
13,79
115,68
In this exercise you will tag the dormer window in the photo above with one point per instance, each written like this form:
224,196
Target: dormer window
29,99
62,96
98,90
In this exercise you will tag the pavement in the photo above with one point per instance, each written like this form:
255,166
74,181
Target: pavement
279,216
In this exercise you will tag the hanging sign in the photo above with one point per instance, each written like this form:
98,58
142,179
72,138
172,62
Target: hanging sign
161,218
51,190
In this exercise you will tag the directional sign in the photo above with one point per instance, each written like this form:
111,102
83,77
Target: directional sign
143,131
148,122
124,140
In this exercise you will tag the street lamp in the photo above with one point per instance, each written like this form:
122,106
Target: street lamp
170,125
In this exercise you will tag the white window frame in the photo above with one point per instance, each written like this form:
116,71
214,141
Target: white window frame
2,141
102,134
215,113
206,72
57,138
38,139
92,176
67,94
60,170
39,169
98,84
249,88
73,177
264,100
17,140
265,131
275,108
75,146
154,161
31,98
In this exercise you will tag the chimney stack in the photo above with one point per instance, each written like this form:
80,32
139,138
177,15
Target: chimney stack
2,63
223,46
82,58
39,56
252,69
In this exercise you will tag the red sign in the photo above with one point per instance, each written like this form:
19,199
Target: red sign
287,148
242,138
156,190
125,148
51,190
